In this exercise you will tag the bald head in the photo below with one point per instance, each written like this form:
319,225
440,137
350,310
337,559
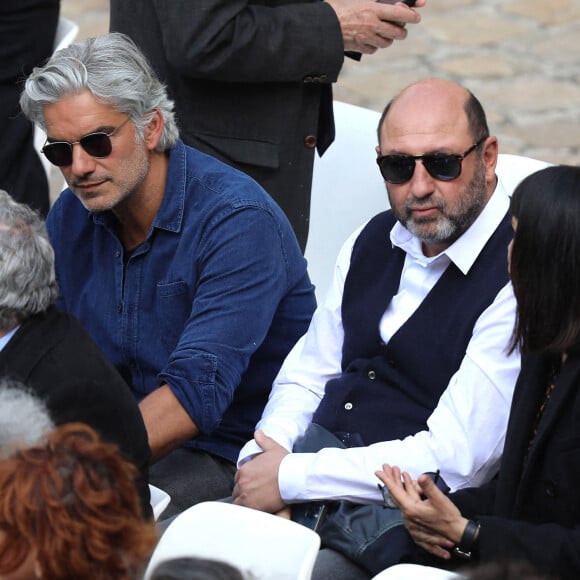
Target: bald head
442,105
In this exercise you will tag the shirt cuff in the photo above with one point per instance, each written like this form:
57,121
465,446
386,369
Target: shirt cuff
249,451
292,477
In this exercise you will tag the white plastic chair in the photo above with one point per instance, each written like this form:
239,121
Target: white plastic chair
347,188
66,32
159,500
261,544
416,572
511,169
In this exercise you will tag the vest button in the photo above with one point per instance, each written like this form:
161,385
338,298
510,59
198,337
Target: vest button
348,406
372,375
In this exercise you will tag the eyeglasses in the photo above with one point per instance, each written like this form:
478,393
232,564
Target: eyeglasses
60,153
400,168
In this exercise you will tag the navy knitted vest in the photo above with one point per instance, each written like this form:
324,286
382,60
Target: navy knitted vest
388,391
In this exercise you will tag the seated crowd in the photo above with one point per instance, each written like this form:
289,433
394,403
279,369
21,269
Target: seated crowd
184,335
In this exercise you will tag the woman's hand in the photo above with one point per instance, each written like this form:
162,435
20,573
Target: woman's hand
435,524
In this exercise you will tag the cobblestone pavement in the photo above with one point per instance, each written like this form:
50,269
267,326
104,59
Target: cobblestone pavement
520,57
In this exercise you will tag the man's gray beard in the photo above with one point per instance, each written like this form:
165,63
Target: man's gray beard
450,228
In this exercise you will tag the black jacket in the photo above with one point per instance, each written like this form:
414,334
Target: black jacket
251,80
53,355
532,512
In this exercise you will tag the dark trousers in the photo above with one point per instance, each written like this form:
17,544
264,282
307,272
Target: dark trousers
191,476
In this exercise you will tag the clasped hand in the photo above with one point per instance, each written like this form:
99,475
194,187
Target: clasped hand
435,523
256,481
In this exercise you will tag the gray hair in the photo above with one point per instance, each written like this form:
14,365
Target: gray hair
24,418
27,277
115,71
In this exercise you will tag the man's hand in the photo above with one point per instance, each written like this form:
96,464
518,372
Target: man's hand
368,25
256,481
434,523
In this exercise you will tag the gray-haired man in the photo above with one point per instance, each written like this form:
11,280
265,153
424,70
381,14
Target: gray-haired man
184,270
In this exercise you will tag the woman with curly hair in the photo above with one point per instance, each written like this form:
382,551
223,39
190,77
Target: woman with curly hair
69,509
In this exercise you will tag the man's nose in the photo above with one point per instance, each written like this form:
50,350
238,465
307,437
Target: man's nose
82,162
422,183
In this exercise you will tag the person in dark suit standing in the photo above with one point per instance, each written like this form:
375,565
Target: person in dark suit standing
251,79
49,351
27,29
531,511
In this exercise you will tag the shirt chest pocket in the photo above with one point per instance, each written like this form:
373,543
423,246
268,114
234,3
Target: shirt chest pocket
172,311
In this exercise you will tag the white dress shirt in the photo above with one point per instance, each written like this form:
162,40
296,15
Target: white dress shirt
466,430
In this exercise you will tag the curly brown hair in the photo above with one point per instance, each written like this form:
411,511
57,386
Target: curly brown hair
71,501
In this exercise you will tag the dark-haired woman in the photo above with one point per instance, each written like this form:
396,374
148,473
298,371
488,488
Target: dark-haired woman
531,512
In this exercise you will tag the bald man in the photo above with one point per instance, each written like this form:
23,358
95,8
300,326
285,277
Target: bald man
405,362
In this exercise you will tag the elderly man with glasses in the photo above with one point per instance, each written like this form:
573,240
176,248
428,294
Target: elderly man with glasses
184,271
405,363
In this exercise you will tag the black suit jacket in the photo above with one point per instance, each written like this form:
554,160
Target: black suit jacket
27,30
53,355
532,511
251,80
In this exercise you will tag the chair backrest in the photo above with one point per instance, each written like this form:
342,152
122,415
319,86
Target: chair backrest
159,500
66,32
347,188
416,572
261,544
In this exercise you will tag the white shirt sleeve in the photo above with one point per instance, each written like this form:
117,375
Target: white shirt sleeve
465,435
314,360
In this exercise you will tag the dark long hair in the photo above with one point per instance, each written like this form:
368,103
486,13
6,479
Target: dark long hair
545,260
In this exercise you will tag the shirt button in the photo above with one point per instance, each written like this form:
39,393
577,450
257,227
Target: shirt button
550,488
119,308
117,254
348,406
310,141
372,375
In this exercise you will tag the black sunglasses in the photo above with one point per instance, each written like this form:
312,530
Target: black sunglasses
400,168
60,153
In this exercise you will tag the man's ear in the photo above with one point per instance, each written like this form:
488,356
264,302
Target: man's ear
490,152
153,130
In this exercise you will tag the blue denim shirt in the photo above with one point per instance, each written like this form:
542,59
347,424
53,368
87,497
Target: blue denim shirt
210,303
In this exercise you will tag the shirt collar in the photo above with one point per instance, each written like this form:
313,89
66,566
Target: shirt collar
465,250
4,340
170,214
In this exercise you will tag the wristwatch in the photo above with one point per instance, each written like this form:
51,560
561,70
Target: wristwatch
466,547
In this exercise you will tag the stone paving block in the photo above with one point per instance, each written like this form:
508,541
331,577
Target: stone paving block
473,28
549,12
